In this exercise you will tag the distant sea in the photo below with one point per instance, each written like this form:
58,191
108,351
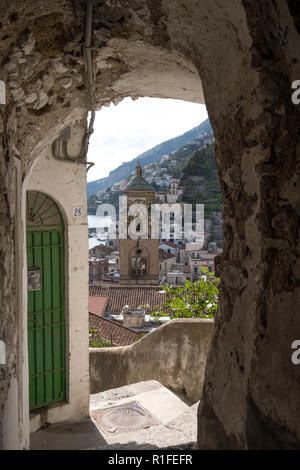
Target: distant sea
94,221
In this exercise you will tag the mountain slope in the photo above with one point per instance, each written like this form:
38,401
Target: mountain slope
195,165
160,173
200,181
148,157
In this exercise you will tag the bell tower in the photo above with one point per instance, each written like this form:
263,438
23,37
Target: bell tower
139,259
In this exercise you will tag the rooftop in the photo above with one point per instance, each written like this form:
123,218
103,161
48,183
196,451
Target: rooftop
170,244
138,182
133,296
109,330
164,256
97,305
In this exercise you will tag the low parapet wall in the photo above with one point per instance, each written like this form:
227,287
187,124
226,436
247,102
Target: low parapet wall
174,354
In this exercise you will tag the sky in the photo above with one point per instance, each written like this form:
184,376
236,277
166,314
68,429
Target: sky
124,131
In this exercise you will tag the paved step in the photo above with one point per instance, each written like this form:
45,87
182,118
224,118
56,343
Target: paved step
163,404
172,423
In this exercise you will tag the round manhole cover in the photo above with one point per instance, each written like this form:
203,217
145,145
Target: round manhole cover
124,417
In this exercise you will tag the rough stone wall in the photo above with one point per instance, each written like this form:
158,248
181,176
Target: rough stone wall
247,54
23,128
7,272
251,386
42,66
163,355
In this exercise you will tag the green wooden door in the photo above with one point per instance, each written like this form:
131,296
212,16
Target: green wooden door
46,319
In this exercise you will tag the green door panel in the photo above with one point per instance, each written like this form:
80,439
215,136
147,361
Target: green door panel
46,316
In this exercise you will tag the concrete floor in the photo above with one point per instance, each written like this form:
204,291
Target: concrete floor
176,423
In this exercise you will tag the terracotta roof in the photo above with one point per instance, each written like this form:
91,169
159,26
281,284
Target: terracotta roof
97,304
134,296
172,245
111,331
163,255
207,256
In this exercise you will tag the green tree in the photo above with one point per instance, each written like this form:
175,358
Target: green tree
96,341
193,300
140,336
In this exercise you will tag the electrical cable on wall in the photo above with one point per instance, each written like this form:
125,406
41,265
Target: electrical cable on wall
60,145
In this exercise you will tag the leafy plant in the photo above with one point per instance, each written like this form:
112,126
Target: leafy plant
140,336
96,341
193,300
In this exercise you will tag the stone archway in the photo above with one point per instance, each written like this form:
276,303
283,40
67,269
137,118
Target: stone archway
247,55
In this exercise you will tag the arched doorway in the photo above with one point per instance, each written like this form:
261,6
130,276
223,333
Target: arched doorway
46,310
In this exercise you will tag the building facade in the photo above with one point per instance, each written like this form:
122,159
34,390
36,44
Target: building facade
97,268
139,257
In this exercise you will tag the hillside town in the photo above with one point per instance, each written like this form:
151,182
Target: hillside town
159,173
126,276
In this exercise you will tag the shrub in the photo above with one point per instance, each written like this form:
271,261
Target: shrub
193,300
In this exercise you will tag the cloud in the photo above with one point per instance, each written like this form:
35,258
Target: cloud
124,131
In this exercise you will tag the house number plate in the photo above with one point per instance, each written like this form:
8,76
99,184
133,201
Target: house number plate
77,211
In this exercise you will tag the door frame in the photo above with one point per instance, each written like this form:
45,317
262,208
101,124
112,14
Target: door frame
41,229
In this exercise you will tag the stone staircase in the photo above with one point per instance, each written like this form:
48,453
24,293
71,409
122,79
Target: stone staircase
140,416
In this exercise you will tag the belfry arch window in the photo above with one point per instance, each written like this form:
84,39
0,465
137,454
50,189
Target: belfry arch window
139,265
